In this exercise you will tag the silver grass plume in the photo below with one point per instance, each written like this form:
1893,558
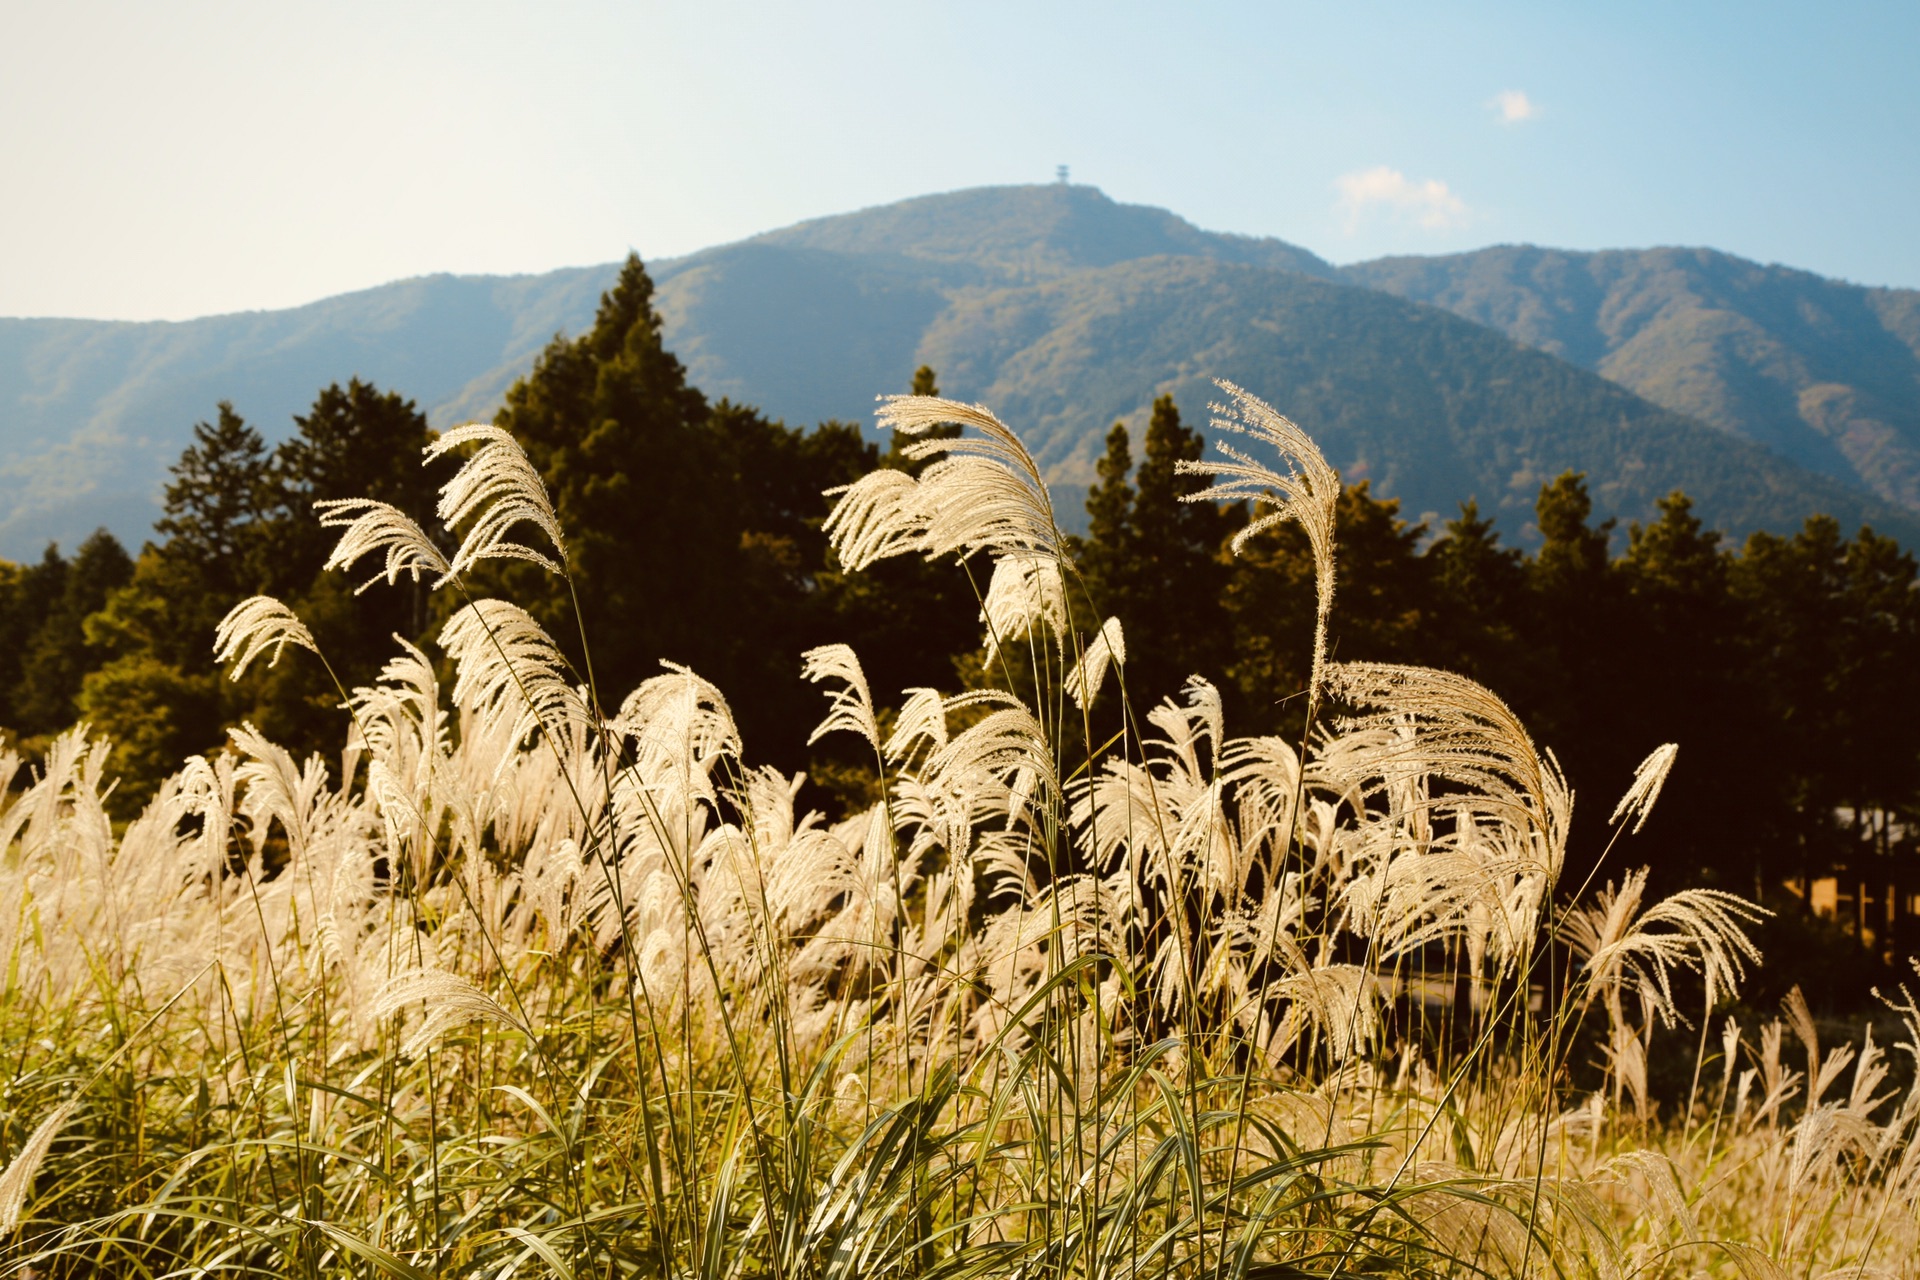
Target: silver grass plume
1696,929
506,664
1307,491
877,516
1110,646
1338,1000
1462,732
498,488
18,1178
449,999
985,493
852,705
374,528
1024,595
1645,791
922,719
255,626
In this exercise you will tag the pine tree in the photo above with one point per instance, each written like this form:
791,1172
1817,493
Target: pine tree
1106,554
692,529
620,439
1480,621
1155,560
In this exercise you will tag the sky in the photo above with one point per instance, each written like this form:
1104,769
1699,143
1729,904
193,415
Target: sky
166,160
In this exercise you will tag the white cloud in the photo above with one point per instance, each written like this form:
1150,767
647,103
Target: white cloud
1513,106
1428,203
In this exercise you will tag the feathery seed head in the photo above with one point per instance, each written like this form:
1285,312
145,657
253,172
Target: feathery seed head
877,516
1110,646
497,488
449,999
1024,595
255,626
853,703
1307,491
376,527
18,1178
984,494
507,665
1645,791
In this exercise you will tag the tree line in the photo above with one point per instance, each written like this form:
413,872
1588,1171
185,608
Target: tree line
1785,667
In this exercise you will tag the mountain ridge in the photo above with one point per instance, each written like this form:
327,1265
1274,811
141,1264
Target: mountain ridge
1824,372
809,322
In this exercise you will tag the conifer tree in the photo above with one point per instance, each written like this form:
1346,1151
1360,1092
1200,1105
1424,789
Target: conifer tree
1155,560
692,529
1106,554
1480,588
59,654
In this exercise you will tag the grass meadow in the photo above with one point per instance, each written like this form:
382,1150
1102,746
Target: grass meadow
536,978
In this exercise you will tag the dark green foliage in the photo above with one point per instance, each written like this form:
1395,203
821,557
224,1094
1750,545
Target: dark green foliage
238,522
43,611
1153,559
693,529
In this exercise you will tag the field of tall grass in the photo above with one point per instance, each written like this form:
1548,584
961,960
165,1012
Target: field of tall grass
532,981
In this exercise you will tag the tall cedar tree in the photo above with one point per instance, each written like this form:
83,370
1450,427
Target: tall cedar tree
1480,626
1155,560
692,529
237,521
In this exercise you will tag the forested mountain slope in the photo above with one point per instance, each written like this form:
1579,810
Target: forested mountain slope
1429,407
1821,371
1060,306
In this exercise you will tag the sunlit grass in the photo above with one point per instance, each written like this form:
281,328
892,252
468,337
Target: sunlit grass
526,983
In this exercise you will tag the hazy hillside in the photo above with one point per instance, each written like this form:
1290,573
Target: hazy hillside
1820,371
1054,303
1433,409
92,412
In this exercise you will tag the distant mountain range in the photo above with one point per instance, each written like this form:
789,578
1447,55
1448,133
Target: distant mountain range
1766,393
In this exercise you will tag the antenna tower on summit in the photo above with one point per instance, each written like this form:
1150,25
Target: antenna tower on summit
1061,173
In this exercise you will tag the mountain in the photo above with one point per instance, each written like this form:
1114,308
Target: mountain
92,412
1431,408
1820,371
1058,306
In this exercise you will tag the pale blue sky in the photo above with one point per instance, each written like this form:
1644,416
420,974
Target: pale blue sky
177,159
